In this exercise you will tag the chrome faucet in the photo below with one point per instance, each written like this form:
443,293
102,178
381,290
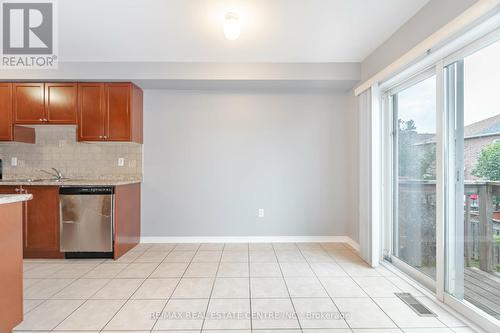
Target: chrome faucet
57,173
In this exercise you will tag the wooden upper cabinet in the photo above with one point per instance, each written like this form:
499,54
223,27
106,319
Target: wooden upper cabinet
109,112
5,111
103,111
9,131
61,103
44,103
91,112
28,103
118,118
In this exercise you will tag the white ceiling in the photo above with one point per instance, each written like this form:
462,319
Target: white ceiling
191,30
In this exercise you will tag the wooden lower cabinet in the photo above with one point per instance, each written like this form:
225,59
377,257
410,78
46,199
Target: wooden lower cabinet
41,232
127,224
11,266
40,220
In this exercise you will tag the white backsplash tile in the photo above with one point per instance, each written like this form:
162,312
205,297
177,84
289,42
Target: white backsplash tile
56,146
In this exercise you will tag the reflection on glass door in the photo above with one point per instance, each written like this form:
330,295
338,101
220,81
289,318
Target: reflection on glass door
414,202
473,236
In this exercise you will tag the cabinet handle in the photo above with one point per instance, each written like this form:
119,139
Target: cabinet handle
17,190
45,120
40,119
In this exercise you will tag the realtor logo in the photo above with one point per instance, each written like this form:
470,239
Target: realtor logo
28,34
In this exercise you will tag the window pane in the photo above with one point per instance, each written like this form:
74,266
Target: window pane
478,208
415,186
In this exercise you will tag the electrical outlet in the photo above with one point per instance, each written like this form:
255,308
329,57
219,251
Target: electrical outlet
121,162
261,212
13,161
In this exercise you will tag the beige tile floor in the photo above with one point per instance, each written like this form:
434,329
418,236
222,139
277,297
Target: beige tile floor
187,288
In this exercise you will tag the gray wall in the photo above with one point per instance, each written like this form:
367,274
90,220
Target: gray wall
428,20
211,159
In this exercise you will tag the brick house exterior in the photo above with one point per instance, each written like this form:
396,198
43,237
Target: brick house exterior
476,137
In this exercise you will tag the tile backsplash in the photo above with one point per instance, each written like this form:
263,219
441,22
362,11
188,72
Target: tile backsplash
56,146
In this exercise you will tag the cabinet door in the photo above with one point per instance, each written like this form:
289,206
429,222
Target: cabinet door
17,190
41,235
5,111
118,111
91,112
29,103
61,103
9,189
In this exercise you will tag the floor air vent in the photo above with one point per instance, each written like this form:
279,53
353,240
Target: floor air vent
415,305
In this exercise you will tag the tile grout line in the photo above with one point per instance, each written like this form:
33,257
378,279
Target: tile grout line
141,253
43,300
321,283
71,283
435,301
84,300
212,290
351,277
287,290
49,277
138,287
437,316
177,285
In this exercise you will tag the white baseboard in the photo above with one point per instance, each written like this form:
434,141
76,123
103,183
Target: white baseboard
254,239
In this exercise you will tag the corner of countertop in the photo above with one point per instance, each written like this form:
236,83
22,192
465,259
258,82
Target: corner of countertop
13,198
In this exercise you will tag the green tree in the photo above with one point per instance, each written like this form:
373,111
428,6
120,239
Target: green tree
428,163
488,163
407,137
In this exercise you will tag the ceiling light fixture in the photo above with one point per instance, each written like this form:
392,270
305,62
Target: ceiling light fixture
231,26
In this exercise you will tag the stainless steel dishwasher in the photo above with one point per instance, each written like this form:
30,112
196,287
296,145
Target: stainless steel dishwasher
86,215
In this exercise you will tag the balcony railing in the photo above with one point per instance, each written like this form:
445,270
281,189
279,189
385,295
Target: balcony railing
482,225
481,220
481,241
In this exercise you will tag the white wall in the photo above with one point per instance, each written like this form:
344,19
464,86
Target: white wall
211,159
428,20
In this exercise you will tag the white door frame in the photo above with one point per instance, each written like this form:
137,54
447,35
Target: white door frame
446,184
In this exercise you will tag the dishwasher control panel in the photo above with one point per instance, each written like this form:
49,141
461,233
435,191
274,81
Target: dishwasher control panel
83,190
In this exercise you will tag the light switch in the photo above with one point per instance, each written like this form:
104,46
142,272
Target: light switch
121,162
13,161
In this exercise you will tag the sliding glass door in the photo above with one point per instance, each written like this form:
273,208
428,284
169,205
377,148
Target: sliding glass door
414,170
442,210
472,88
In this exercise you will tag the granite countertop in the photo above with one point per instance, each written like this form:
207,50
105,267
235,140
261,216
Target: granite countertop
12,198
70,182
